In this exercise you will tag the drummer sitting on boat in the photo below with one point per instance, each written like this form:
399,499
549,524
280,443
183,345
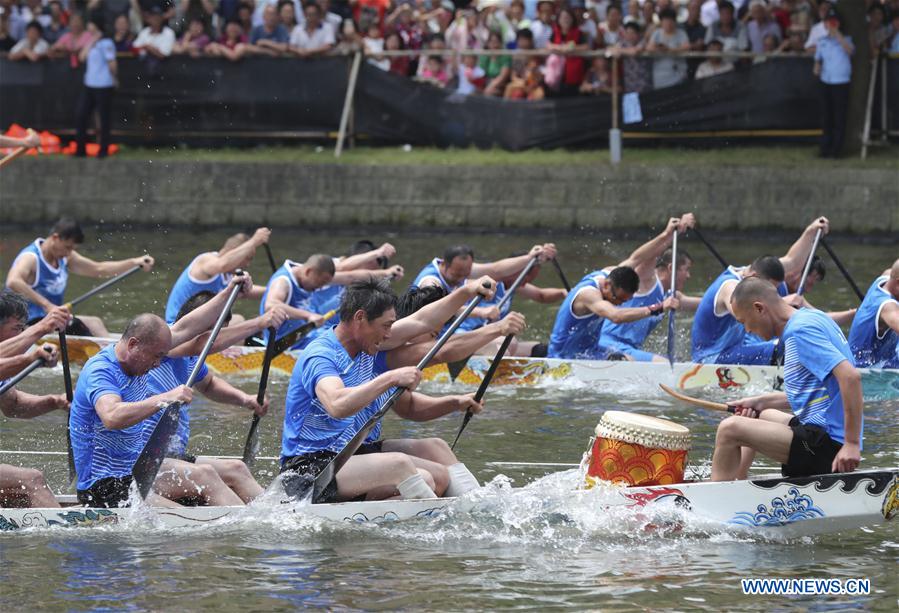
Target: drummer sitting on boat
823,433
342,378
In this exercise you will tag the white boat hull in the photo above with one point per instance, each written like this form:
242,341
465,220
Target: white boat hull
769,507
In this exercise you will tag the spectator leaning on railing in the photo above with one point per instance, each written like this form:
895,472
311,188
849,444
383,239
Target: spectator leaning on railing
32,47
714,65
156,41
668,39
269,37
761,25
833,65
313,37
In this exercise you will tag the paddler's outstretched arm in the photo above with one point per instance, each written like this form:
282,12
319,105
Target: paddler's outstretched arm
542,295
797,256
433,316
56,319
19,405
20,278
277,297
233,334
512,266
117,414
340,401
361,260
204,317
591,300
345,277
211,264
419,407
643,259
87,267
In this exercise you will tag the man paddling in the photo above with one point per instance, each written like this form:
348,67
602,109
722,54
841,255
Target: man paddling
600,298
41,270
176,370
344,376
25,487
717,337
211,271
294,286
113,414
874,336
813,428
652,263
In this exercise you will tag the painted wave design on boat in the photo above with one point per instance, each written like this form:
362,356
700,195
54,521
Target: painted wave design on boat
793,507
848,483
65,518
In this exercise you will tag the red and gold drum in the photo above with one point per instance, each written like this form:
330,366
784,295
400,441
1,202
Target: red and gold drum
634,449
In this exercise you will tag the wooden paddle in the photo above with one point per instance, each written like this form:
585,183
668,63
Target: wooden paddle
671,330
104,285
251,447
67,380
150,459
706,404
709,246
17,152
323,478
562,276
849,279
484,383
808,264
456,368
11,383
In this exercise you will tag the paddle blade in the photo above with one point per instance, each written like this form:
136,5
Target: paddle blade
251,447
150,459
455,368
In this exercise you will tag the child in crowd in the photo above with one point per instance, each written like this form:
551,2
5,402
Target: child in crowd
374,45
231,45
122,36
435,71
598,79
398,65
472,78
194,41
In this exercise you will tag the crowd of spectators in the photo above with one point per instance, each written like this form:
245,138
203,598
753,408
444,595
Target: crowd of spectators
648,35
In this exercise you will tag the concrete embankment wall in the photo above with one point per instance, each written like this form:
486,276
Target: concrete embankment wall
861,201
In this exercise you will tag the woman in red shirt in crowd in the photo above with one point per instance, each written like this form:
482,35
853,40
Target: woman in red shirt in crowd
568,37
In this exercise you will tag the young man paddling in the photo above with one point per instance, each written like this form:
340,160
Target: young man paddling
813,428
601,296
41,271
342,378
211,271
113,413
25,487
874,336
717,337
652,263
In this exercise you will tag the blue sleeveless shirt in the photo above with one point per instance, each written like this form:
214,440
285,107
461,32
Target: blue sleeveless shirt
297,297
872,346
49,282
575,336
634,333
186,287
713,333
473,323
433,270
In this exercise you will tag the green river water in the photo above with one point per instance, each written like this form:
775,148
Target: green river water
514,558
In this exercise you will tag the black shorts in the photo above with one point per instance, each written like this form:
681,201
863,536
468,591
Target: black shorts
76,327
811,452
312,464
110,492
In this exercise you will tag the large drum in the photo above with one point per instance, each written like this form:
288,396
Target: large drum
634,449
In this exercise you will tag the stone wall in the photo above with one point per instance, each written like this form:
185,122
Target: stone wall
861,201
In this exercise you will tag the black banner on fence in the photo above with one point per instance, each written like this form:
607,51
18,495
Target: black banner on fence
216,102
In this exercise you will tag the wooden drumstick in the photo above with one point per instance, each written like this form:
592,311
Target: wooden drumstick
706,404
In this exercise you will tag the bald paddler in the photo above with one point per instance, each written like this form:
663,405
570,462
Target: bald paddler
19,486
874,336
815,426
342,378
294,286
457,265
212,270
717,337
40,273
599,298
114,414
652,263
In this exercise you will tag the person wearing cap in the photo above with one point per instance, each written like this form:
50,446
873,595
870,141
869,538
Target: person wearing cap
157,39
833,65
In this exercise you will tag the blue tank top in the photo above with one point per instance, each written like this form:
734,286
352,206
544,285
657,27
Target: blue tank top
634,333
575,336
473,323
171,373
307,425
297,297
433,270
873,348
100,452
186,287
49,282
713,333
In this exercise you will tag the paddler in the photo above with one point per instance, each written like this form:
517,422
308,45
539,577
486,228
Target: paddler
652,263
293,287
874,336
342,378
175,371
813,428
600,298
717,337
41,271
25,487
114,414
